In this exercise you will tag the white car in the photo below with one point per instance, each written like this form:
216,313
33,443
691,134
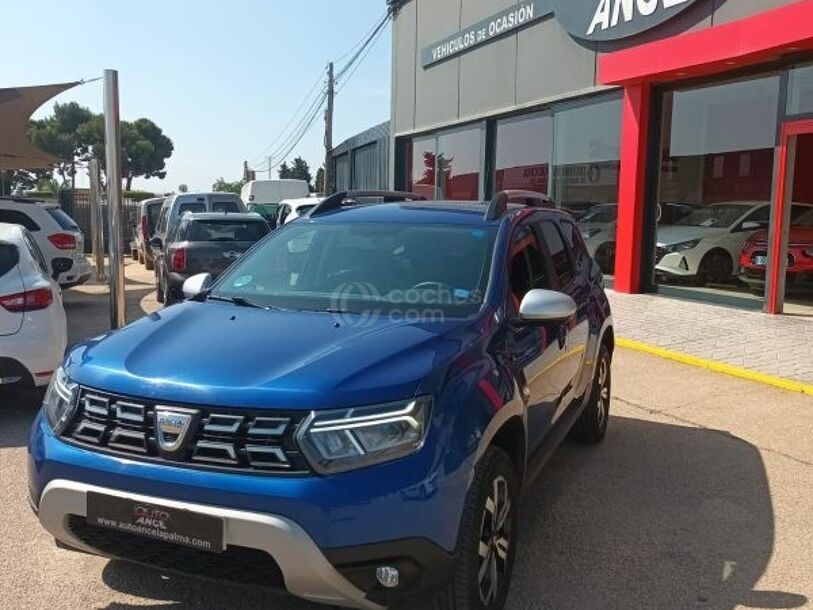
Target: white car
705,245
598,228
33,331
291,209
58,236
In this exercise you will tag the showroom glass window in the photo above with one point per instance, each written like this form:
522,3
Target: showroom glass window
716,174
460,163
586,145
421,161
800,90
524,153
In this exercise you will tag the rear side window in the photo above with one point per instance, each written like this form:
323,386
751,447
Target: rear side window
575,242
217,230
18,218
558,252
9,257
193,206
225,206
62,219
36,253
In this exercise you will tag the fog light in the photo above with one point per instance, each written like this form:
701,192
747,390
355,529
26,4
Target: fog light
684,264
387,576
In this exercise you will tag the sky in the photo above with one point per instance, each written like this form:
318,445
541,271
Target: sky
222,78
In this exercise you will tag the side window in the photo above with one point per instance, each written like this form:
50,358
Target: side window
575,243
527,265
16,217
283,213
36,254
558,253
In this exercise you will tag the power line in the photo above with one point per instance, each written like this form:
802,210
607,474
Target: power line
276,161
370,47
291,120
363,47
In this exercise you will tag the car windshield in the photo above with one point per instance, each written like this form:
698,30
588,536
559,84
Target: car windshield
268,211
225,206
714,216
413,270
226,230
194,207
304,209
63,220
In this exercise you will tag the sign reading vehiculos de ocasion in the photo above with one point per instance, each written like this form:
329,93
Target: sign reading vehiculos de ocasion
593,20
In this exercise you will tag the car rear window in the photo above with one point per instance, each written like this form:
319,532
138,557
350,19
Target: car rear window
193,206
62,219
225,206
304,209
226,230
9,256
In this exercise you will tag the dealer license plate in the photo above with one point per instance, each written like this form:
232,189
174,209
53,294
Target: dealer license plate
187,528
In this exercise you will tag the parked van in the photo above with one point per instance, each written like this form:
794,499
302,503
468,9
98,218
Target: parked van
264,196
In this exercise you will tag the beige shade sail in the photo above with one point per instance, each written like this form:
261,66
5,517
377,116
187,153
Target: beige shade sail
17,104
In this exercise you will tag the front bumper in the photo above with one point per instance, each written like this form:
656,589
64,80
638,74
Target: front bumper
306,571
404,513
676,264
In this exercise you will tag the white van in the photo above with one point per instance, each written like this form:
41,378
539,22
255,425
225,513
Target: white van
263,196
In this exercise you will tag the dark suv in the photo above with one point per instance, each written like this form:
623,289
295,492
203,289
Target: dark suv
349,412
206,242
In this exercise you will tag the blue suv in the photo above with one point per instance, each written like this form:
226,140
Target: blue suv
349,412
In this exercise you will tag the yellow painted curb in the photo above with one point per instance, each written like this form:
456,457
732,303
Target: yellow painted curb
717,367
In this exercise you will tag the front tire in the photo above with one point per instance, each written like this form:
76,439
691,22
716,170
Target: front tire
715,268
488,538
591,426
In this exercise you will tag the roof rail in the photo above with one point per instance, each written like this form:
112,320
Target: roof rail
337,200
499,204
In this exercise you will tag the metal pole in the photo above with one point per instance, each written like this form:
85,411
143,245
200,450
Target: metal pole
112,137
329,128
96,224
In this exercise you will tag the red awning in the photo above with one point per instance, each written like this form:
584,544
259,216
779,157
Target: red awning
17,104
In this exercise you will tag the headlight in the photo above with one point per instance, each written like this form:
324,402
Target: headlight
60,401
590,233
336,441
682,246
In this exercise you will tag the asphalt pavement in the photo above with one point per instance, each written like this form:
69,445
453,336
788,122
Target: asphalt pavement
701,496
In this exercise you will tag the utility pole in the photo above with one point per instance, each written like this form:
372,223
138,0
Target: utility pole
329,128
270,169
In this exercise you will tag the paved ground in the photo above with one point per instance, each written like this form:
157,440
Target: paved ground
700,498
774,345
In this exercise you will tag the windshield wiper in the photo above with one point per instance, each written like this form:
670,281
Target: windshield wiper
239,301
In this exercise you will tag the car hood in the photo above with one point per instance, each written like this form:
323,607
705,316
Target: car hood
797,235
674,234
221,354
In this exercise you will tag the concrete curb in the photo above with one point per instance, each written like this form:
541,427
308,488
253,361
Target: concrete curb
718,367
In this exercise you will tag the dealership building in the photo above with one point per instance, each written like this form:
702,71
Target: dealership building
679,133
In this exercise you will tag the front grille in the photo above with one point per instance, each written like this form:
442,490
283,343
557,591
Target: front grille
237,564
220,438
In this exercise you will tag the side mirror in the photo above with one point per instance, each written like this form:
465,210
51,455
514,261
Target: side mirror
196,284
540,306
156,242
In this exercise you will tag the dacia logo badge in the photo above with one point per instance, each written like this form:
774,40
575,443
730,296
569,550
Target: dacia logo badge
172,426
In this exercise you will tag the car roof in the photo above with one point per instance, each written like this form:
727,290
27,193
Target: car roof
222,216
437,212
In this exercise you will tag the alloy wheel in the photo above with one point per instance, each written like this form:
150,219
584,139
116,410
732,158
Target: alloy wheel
494,542
603,402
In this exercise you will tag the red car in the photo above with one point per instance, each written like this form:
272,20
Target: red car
754,257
